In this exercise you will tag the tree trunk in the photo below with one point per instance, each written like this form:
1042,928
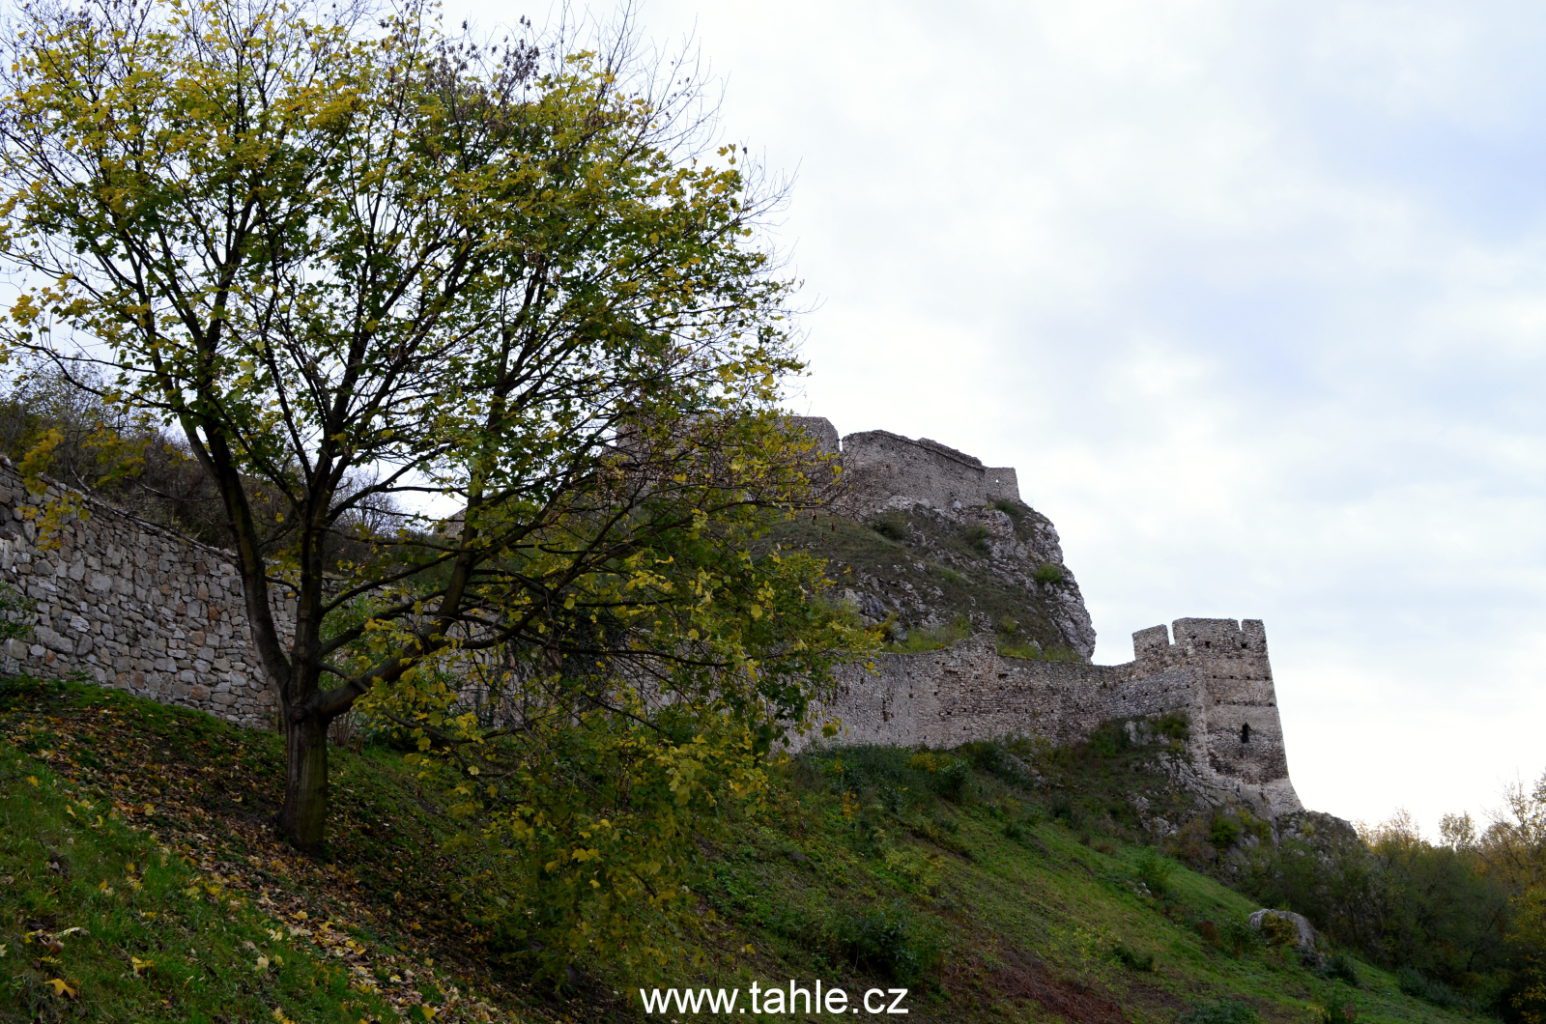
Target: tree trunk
304,817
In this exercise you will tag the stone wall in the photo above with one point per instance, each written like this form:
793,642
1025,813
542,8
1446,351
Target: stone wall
881,468
1216,673
131,605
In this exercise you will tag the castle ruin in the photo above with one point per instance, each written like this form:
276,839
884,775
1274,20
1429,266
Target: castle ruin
139,607
1214,671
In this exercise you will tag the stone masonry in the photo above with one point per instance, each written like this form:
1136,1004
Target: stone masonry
881,468
131,605
1216,673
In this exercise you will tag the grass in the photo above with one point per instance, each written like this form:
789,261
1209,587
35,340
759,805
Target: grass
933,638
996,882
99,922
918,552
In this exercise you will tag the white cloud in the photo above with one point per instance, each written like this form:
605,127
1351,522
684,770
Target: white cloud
1249,294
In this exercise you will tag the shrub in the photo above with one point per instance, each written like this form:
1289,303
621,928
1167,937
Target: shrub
1027,651
1225,831
1132,960
1219,1013
1174,726
933,638
1417,984
1340,967
997,760
1013,509
889,942
16,614
918,871
1234,938
1155,870
1279,932
977,538
1049,573
945,774
890,525
952,779
1336,1015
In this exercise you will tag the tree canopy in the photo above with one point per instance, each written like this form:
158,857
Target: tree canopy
510,300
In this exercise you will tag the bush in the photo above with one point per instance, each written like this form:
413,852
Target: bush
952,779
1235,938
1335,1015
16,614
1049,573
977,538
889,942
933,638
1225,831
1027,651
890,525
1013,509
997,760
1279,932
1155,870
1132,960
1219,1013
1418,985
918,871
1340,967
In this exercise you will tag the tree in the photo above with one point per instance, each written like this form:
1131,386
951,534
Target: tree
360,263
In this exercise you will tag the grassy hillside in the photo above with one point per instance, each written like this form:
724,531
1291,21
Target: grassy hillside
139,882
934,577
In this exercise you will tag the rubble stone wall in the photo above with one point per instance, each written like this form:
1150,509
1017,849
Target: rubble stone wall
1216,673
131,605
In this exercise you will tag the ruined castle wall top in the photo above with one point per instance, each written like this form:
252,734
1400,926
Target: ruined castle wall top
881,468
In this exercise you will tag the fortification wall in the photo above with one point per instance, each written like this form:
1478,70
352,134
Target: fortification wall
884,469
133,606
881,468
1216,673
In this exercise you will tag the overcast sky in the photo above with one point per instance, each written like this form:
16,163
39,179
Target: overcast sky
1254,297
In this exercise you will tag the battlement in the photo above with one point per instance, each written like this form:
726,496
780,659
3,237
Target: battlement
1201,636
881,468
1216,672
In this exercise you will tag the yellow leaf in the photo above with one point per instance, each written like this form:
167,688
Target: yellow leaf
32,780
140,966
261,965
62,988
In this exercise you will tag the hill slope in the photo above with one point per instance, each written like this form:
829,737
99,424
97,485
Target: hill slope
139,872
